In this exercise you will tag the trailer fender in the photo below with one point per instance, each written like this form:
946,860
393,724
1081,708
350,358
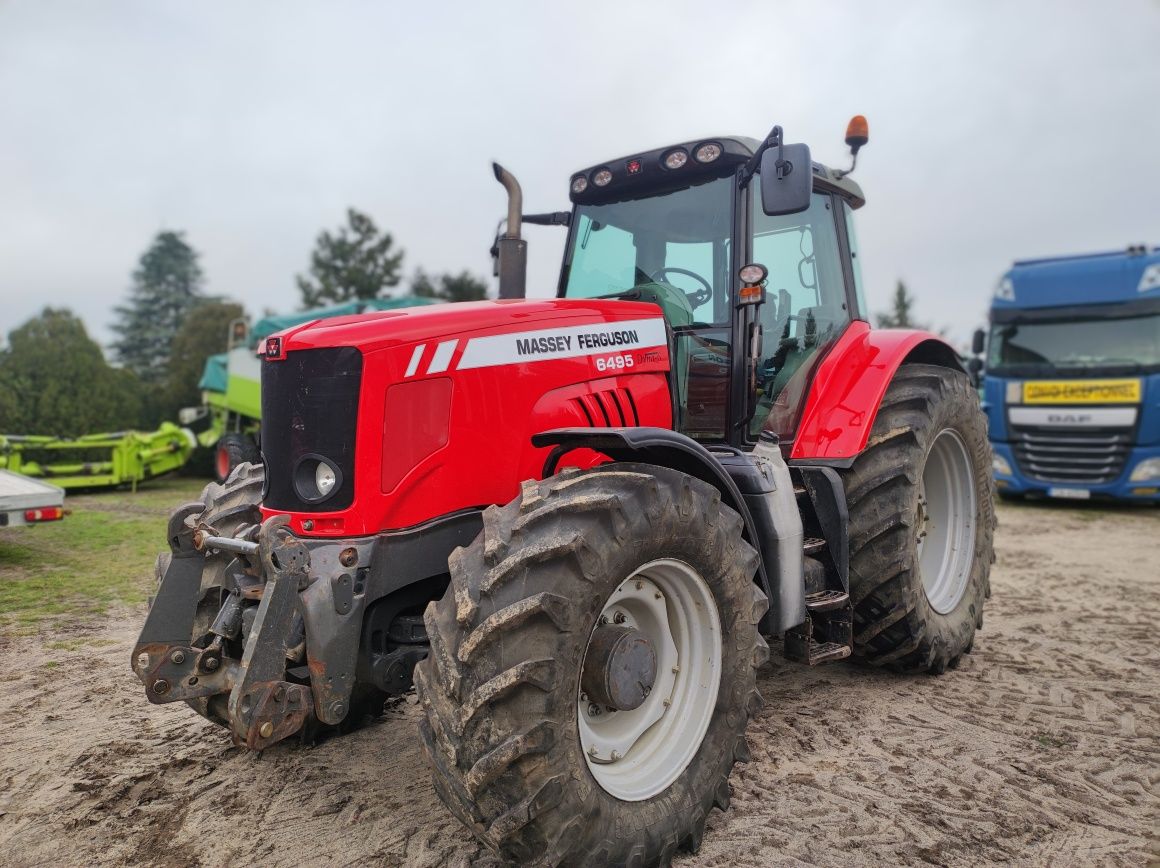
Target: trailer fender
849,386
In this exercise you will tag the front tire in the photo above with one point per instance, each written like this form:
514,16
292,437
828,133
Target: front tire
231,451
922,520
501,688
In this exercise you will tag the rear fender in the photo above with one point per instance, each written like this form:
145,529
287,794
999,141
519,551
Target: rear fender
850,384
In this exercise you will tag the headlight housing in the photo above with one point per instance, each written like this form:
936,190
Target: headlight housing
1000,465
1149,468
316,478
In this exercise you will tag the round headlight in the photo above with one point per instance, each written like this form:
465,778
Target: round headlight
579,184
707,152
752,274
676,159
602,178
324,479
316,478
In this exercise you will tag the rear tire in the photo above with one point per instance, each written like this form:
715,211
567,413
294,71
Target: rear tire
232,450
501,686
922,520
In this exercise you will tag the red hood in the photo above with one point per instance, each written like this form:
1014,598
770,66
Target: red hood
391,328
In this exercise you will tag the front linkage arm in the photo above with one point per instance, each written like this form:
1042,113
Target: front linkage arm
263,707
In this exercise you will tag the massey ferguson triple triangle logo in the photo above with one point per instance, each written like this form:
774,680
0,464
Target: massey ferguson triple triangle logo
540,345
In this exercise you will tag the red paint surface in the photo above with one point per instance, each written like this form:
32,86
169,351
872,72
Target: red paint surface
494,411
848,388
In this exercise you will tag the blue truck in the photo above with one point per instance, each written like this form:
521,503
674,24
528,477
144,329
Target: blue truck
1072,377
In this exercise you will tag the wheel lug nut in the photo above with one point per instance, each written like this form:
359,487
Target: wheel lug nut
160,686
619,618
142,660
593,710
178,657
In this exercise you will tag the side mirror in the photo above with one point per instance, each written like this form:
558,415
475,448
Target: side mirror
975,370
977,342
787,180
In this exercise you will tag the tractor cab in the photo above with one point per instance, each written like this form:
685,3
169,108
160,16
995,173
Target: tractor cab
678,226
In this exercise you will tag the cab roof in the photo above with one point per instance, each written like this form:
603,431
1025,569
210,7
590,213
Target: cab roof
644,173
1126,275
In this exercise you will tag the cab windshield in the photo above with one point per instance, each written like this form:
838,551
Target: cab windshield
1028,348
671,248
674,250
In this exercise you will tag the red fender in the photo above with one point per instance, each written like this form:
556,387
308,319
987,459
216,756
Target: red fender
850,383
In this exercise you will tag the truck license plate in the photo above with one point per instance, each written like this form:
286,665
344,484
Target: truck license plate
1070,493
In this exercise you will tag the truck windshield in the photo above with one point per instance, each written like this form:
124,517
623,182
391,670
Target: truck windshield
671,248
1065,344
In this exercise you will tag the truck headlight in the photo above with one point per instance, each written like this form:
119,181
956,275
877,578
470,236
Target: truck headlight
1014,392
1149,468
316,478
1000,465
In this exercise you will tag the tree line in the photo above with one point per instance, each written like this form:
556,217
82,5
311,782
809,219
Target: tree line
54,378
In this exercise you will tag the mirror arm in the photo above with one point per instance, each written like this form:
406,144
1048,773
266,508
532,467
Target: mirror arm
773,139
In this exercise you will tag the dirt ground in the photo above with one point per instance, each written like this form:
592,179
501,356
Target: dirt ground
1042,748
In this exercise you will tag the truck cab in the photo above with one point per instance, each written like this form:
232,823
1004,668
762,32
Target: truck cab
1072,388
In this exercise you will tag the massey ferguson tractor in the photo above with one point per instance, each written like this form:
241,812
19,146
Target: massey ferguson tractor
569,524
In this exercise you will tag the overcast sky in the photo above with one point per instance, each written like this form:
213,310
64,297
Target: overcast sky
998,130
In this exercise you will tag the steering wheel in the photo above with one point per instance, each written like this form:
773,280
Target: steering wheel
698,296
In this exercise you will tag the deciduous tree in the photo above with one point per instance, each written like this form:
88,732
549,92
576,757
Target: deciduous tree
449,287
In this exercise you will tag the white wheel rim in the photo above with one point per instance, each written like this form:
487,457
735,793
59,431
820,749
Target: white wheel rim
945,529
636,754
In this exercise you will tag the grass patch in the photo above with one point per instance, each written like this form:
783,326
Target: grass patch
100,555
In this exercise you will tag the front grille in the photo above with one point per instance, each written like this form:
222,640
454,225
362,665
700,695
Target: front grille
310,407
1089,457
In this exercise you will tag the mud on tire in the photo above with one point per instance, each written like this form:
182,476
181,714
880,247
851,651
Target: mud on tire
499,689
895,624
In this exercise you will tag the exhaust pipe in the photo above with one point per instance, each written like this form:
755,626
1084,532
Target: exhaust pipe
513,250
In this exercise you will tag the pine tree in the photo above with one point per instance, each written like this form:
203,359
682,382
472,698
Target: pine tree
355,263
166,286
899,317
449,287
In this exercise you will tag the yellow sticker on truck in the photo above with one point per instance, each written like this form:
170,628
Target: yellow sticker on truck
1081,392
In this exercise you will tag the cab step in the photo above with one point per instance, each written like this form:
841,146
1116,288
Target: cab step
813,545
825,601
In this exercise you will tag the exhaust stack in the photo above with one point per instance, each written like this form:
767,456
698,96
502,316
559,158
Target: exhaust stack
513,250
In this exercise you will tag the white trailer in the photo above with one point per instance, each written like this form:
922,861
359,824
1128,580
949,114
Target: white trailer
28,501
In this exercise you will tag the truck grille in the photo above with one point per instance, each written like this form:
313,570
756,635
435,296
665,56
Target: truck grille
1075,456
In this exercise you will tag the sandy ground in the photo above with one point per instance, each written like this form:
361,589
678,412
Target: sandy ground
1042,748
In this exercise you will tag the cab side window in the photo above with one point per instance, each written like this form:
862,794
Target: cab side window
805,305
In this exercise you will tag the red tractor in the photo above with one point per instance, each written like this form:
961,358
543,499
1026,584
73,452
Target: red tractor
570,523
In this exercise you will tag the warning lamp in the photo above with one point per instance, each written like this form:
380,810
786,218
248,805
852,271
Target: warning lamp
707,152
857,135
676,159
857,132
579,184
602,178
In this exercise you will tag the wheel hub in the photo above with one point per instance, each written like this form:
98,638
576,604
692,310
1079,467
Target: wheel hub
650,679
620,667
945,522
